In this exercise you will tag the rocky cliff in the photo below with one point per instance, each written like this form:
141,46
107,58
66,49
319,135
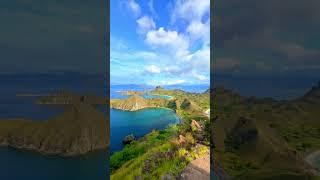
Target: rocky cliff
136,102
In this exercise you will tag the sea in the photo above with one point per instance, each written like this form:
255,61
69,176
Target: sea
139,123
18,164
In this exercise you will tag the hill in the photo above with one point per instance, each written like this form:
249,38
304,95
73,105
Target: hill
78,130
265,138
165,154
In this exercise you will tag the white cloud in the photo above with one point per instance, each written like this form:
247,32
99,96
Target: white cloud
173,82
145,55
190,9
173,70
153,69
201,59
151,8
166,82
134,7
200,77
177,43
145,24
199,30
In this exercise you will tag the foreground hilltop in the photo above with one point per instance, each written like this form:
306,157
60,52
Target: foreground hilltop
78,130
265,138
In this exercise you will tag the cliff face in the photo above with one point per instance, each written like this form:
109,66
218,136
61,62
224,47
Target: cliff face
79,130
136,102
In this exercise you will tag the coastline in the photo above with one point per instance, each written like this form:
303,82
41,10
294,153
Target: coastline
179,117
311,158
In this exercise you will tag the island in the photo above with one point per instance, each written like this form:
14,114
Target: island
80,129
179,151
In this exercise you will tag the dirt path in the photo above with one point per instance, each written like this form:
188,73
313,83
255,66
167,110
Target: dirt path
198,169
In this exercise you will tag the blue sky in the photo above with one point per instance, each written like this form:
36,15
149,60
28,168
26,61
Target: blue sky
157,42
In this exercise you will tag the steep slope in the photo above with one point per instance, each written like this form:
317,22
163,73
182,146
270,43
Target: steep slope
80,129
264,138
133,103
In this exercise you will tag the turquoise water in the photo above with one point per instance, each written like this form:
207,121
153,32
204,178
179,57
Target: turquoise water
152,96
19,164
138,123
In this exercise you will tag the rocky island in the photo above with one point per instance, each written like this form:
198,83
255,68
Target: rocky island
137,102
179,100
80,129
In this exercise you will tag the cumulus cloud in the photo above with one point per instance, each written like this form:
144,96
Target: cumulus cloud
182,51
190,9
176,43
199,30
153,69
145,24
134,7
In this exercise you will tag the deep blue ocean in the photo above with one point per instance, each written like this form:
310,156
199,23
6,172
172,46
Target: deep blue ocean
20,164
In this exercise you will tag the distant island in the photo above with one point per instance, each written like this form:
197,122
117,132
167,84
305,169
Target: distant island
80,129
178,100
265,138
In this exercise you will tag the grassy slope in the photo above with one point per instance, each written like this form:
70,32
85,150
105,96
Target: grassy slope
159,153
264,138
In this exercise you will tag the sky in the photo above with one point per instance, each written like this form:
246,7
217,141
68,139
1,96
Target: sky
38,36
262,45
160,42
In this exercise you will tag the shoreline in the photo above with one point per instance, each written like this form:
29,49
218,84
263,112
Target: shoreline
179,117
180,120
311,158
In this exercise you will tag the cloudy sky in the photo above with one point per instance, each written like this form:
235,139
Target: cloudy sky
270,40
267,36
53,36
160,42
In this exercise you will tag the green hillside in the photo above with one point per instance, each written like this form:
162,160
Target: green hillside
264,138
164,154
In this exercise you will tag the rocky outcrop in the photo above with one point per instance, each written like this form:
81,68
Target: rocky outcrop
136,102
79,130
197,169
133,103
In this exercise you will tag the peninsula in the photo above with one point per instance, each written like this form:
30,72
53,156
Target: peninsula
80,129
170,153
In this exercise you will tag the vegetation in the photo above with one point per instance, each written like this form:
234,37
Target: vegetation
264,138
167,152
78,130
